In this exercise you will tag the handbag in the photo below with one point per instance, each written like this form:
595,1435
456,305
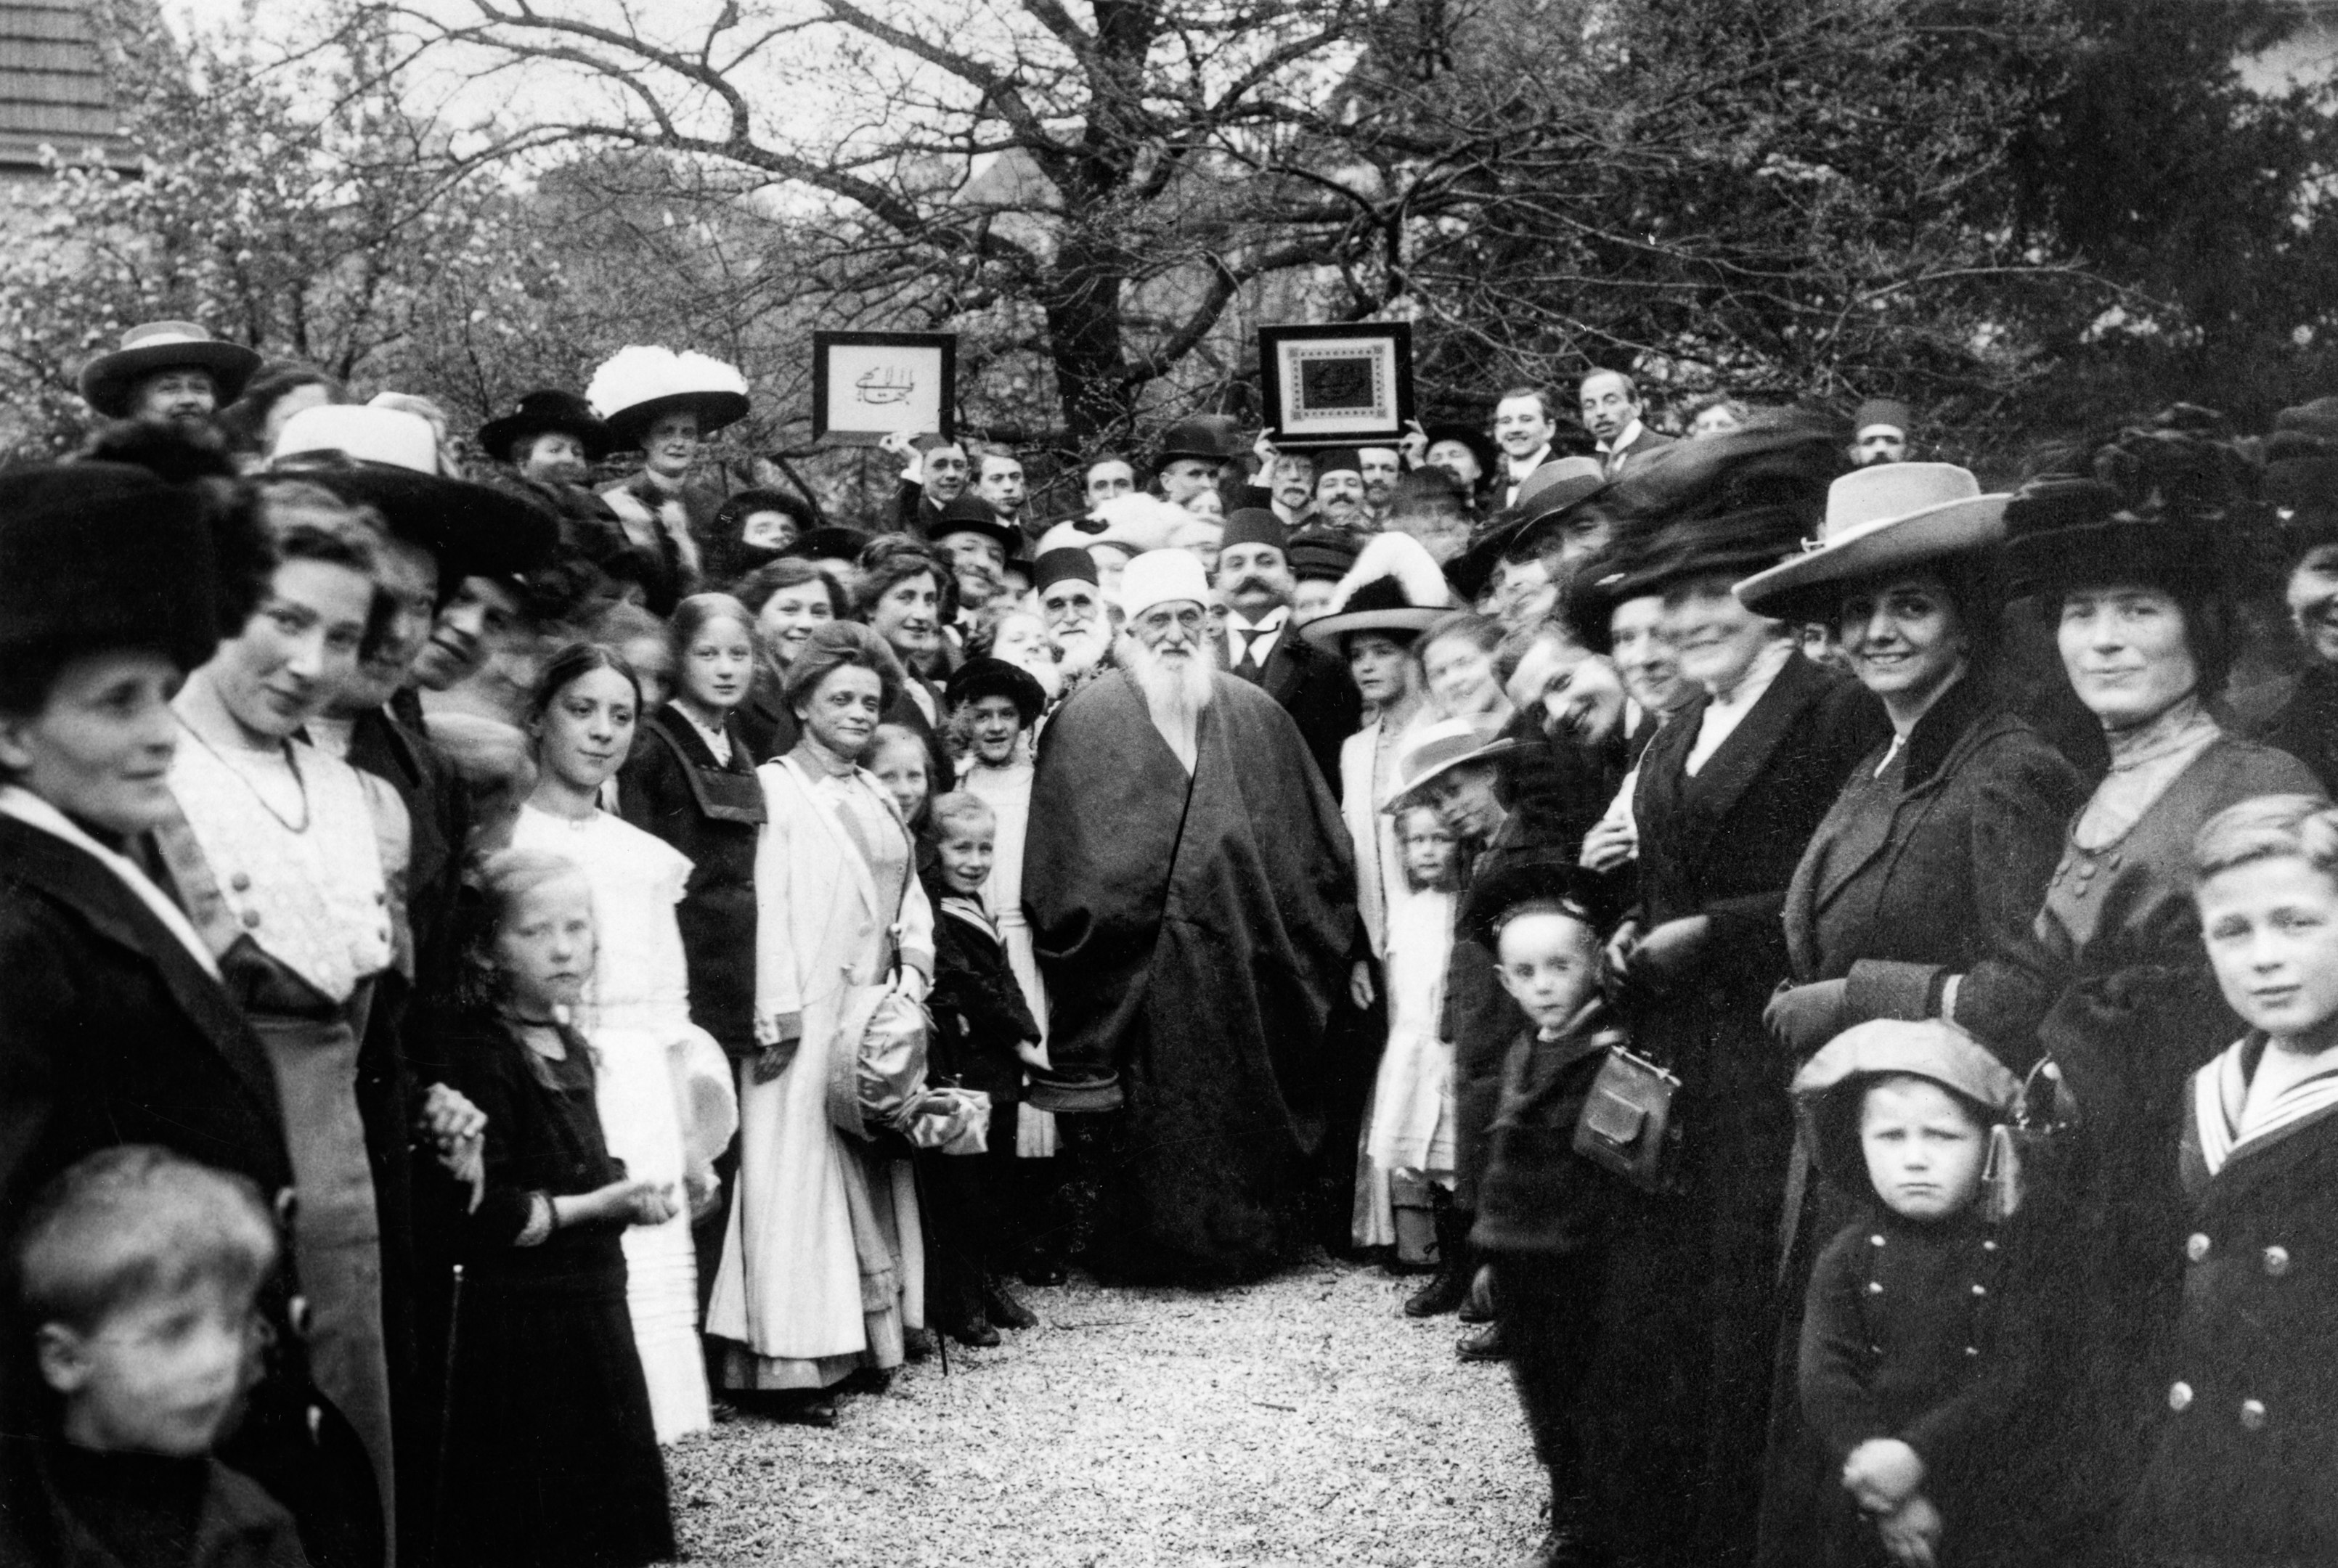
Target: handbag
2030,1151
1626,1122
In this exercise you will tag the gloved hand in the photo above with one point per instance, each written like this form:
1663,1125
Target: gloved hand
1803,1018
1665,959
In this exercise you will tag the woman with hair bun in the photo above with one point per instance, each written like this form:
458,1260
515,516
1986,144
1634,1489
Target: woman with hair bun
666,1100
823,1271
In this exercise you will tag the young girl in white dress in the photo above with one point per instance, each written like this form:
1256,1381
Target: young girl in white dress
663,1088
1410,1128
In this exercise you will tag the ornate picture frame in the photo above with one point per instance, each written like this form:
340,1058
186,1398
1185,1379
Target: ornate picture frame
1336,384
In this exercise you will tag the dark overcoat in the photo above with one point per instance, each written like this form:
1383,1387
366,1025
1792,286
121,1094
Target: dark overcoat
2307,725
1315,689
2246,1431
978,1010
1193,931
671,786
1692,1281
111,1033
1935,869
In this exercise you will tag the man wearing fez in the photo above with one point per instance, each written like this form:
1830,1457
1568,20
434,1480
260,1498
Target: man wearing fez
1256,576
1878,432
1191,905
1339,492
167,373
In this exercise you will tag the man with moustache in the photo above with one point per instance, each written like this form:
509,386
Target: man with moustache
1258,645
1192,903
1611,412
1072,607
1339,492
1380,467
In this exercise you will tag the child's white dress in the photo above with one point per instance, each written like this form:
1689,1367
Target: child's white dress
1411,1123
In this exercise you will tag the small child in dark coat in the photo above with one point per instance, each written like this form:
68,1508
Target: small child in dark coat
1543,1210
1917,1349
141,1268
983,1038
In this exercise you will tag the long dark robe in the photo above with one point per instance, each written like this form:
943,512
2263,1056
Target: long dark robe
1193,939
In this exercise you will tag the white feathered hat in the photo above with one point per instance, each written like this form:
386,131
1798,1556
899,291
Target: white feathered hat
637,383
1395,586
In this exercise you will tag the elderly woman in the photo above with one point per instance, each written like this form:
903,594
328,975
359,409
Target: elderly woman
1915,897
2130,551
115,1025
822,1267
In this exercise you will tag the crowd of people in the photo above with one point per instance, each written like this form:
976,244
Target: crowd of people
511,939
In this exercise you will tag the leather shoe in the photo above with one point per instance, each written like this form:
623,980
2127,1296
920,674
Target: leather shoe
977,1332
1478,1306
917,1344
999,1305
1483,1344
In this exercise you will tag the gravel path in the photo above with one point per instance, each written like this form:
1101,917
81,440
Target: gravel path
1302,1420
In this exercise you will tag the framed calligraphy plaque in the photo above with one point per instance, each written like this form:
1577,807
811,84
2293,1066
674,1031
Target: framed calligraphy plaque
1337,385
867,385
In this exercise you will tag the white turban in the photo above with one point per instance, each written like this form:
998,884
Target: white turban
1162,577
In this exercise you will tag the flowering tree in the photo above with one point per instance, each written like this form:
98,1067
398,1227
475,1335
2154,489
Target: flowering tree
297,207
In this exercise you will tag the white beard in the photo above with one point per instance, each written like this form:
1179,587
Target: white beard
1175,695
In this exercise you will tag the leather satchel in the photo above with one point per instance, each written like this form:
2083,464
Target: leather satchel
1627,1124
2029,1152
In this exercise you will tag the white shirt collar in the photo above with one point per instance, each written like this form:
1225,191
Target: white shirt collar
1520,467
1723,714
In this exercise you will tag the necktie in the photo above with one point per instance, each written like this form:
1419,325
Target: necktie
1249,641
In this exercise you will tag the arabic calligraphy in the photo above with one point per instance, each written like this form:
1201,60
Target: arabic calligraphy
886,384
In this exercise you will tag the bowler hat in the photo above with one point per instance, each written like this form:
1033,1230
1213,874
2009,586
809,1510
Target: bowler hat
546,411
1203,437
1473,437
108,380
387,459
1889,517
973,515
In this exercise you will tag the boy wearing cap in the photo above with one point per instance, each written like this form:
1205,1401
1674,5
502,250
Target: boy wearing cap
1543,1210
1918,1350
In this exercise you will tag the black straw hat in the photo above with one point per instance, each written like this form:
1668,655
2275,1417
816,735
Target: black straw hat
988,677
546,411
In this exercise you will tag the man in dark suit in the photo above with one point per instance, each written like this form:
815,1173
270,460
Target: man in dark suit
1260,645
1611,412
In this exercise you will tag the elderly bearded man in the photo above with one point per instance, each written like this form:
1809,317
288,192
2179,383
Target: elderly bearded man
1192,902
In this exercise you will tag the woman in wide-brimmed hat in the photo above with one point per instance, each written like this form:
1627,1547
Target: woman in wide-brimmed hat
2137,548
666,405
1915,895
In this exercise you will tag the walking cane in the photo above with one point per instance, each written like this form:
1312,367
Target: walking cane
446,1421
918,1186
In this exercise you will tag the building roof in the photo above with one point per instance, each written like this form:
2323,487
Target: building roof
52,84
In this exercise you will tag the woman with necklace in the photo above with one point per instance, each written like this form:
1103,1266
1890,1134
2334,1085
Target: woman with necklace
666,1101
291,864
2129,550
1915,897
822,1267
690,780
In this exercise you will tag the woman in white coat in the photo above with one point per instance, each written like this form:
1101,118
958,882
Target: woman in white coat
822,1267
